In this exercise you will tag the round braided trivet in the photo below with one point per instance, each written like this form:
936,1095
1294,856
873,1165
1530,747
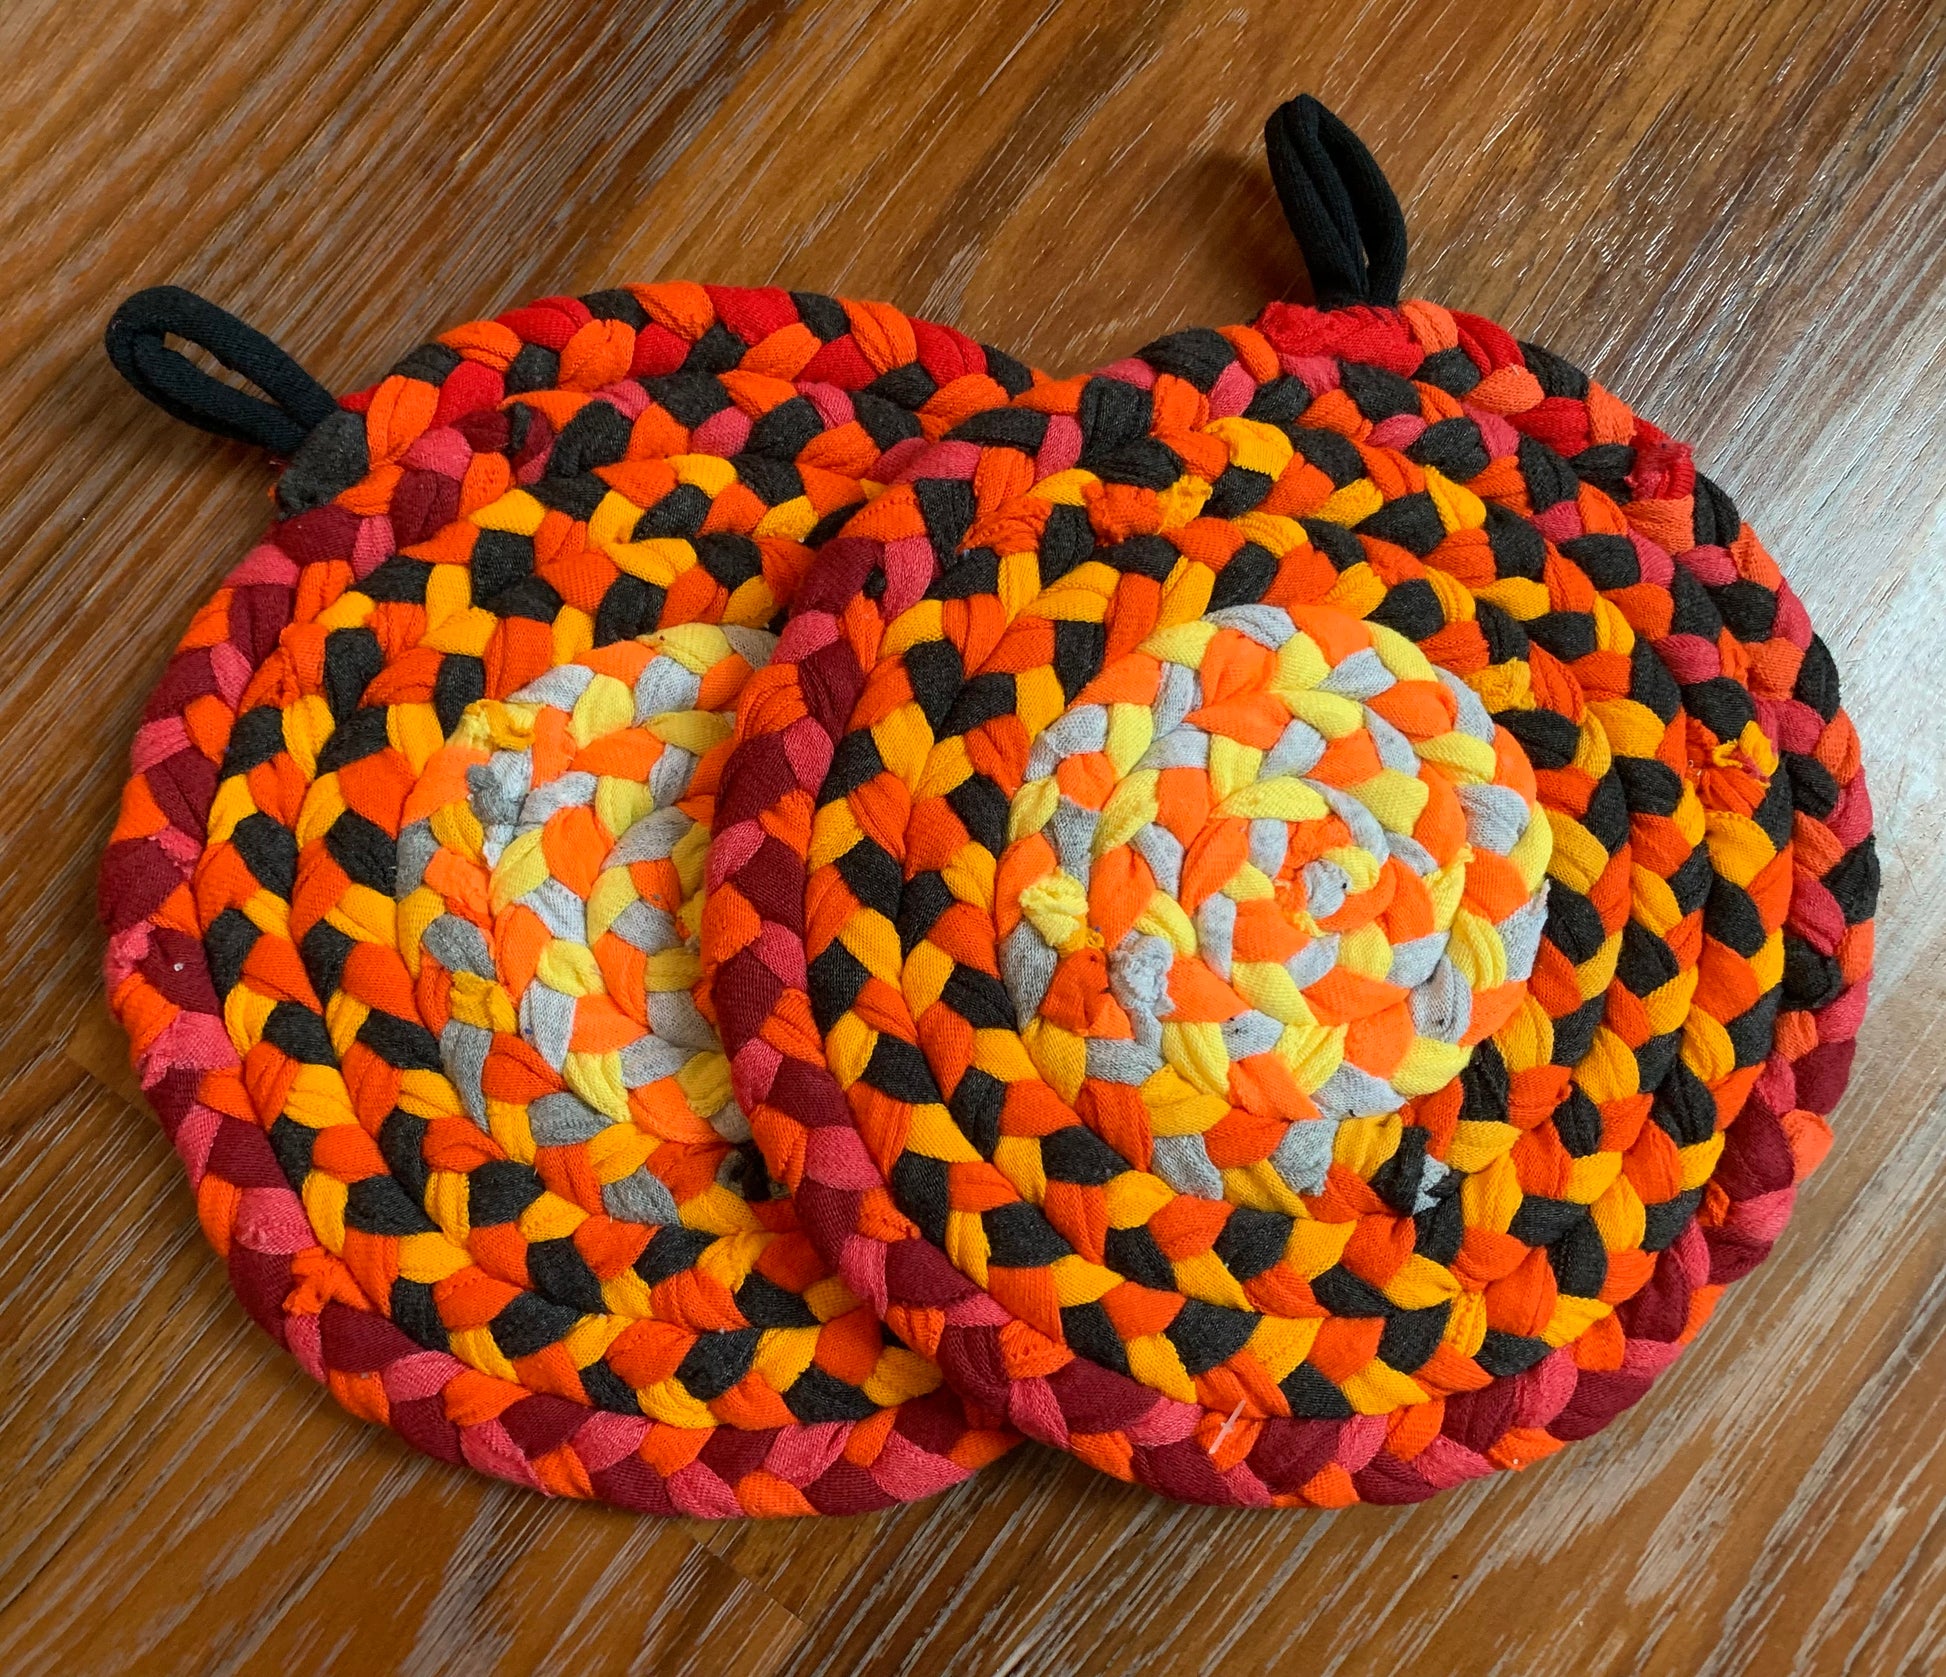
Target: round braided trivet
403,900
1122,914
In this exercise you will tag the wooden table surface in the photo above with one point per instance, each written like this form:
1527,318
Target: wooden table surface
1729,211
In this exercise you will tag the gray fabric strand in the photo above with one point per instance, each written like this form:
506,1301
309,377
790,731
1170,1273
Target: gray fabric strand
1182,1161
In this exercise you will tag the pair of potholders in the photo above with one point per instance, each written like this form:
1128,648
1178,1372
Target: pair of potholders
743,896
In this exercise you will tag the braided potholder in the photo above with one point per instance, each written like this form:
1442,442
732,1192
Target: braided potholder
1281,916
403,898
1291,910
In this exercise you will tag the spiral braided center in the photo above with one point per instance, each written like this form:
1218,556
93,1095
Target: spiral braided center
1271,872
552,866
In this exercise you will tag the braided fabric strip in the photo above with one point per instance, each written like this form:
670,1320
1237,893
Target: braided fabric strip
984,1002
461,1134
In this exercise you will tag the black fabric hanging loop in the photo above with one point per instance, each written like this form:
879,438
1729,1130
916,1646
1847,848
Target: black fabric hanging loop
1339,204
168,378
